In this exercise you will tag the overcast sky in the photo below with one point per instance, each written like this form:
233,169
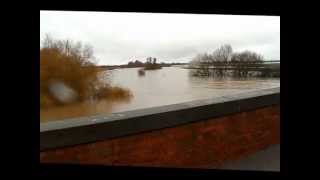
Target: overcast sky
121,37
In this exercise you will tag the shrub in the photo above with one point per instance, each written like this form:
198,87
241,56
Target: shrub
72,64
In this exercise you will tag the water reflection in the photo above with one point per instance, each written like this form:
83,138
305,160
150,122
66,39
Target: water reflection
169,85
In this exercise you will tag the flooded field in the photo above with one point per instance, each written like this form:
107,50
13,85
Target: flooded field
169,85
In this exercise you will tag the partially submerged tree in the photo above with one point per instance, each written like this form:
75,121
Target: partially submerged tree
151,64
222,54
245,60
217,63
247,56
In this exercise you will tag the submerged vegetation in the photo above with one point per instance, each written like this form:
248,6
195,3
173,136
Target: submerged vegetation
141,72
68,74
151,64
223,62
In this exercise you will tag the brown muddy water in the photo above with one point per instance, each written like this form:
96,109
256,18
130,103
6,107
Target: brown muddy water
169,85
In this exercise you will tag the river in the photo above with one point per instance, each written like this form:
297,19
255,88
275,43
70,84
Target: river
169,85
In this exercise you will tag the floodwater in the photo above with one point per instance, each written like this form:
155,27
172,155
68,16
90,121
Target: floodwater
169,85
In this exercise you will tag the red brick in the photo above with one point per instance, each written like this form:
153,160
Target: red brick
203,144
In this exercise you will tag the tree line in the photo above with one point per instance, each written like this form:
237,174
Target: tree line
224,62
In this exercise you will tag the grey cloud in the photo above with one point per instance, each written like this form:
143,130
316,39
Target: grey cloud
120,37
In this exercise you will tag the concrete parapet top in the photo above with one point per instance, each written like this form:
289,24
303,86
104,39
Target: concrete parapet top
80,130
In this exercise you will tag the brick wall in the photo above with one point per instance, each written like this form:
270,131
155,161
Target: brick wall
203,144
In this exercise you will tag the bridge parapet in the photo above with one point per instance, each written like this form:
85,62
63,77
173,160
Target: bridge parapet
203,133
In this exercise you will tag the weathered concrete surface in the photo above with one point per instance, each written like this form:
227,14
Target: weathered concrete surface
264,160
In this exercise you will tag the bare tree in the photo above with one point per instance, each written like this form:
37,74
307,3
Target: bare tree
149,60
222,54
47,41
219,59
244,60
223,57
75,50
154,60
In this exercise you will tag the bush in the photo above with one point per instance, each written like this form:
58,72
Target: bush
113,93
71,64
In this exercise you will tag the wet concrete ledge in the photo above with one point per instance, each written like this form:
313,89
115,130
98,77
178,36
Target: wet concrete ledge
82,130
